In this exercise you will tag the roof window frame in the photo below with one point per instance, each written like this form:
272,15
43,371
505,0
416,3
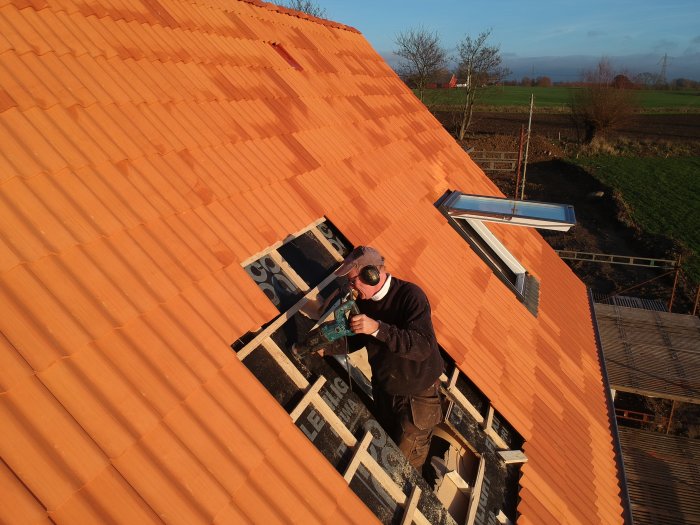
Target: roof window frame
505,266
501,252
522,213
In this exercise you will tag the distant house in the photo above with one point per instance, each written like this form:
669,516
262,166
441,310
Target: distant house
177,179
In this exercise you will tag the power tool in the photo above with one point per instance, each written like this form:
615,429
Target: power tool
330,331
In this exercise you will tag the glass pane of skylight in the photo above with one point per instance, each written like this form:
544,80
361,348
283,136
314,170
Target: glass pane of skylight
524,213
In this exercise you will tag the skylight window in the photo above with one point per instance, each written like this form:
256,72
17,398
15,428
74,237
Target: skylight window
467,214
520,213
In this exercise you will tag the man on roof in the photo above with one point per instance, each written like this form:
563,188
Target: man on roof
396,327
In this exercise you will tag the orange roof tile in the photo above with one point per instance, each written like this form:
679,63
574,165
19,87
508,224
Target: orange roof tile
37,426
107,498
18,504
146,149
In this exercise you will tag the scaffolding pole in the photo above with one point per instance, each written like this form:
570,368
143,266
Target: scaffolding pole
675,283
527,145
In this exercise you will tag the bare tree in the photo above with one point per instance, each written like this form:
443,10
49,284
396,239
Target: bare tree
306,6
543,82
599,105
479,65
422,56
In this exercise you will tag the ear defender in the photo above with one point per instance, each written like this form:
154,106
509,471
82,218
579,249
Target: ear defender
370,275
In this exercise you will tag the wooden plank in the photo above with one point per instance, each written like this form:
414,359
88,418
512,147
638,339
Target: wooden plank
411,507
461,399
385,480
489,418
485,423
326,244
358,456
283,318
496,438
363,457
453,379
458,481
311,393
335,422
289,271
313,397
512,456
391,487
476,493
285,363
277,244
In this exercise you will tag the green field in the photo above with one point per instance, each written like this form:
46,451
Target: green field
663,195
557,98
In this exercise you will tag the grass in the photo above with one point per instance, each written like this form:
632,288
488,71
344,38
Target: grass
501,96
557,98
662,195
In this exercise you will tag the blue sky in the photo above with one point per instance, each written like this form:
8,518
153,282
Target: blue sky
535,35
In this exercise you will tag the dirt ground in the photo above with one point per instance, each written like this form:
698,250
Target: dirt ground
683,128
602,223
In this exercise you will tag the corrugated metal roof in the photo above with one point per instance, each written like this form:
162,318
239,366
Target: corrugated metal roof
662,476
651,353
147,149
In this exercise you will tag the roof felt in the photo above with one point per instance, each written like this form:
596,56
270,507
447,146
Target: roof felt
147,148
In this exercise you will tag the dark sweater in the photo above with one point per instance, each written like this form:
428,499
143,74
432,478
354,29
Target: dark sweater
404,355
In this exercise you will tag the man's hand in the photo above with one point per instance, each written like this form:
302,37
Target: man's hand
361,324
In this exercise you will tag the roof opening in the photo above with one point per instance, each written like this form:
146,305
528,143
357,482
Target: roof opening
285,54
335,417
473,467
475,456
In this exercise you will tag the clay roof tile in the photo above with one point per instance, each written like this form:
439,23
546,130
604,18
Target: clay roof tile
147,150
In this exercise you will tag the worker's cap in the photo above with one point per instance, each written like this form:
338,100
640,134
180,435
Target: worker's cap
359,258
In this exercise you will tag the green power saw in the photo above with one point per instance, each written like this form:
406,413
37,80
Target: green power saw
330,331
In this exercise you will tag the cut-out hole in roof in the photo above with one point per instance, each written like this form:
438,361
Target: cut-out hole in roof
285,54
313,389
520,213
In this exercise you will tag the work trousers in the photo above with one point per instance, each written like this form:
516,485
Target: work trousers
410,420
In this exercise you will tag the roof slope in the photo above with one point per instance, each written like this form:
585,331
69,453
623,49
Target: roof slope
147,148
